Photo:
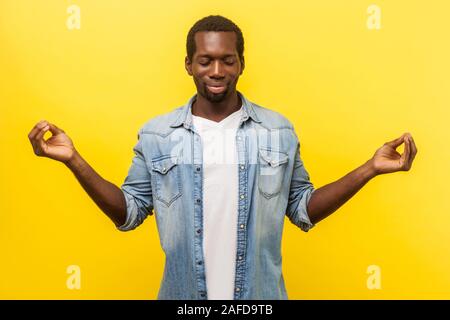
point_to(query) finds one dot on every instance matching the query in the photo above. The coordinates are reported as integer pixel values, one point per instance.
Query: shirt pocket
(166, 175)
(272, 166)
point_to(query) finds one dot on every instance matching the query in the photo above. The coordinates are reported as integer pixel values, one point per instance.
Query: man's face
(215, 65)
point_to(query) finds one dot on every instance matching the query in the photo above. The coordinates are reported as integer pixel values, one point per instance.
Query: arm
(327, 199)
(108, 197)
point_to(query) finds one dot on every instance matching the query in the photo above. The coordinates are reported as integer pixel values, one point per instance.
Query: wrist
(369, 169)
(73, 160)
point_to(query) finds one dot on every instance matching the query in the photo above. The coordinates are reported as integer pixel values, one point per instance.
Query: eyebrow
(209, 56)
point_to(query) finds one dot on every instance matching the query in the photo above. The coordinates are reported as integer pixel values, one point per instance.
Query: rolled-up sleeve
(137, 190)
(300, 193)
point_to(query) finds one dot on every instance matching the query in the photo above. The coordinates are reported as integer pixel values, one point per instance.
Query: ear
(188, 65)
(242, 65)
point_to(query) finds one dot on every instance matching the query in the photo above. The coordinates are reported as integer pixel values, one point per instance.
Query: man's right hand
(108, 197)
(58, 147)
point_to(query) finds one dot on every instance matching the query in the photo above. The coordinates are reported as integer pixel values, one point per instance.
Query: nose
(216, 70)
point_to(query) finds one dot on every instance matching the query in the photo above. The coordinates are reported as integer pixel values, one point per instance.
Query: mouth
(216, 89)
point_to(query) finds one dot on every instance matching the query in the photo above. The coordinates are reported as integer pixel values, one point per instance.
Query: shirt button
(198, 168)
(239, 138)
(237, 289)
(242, 196)
(242, 226)
(163, 169)
(202, 295)
(198, 200)
(240, 257)
(242, 167)
(199, 230)
(199, 263)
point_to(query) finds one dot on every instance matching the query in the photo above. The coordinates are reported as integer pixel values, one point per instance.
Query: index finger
(396, 142)
(41, 124)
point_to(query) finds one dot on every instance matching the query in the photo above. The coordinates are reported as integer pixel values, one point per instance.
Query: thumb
(54, 129)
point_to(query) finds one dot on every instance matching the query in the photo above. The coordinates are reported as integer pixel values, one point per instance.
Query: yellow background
(346, 88)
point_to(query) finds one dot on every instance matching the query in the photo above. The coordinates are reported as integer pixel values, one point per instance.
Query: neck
(204, 108)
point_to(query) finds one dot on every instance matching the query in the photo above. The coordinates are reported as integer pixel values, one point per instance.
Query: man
(220, 203)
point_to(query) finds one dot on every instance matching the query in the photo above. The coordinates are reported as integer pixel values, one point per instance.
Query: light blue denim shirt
(166, 177)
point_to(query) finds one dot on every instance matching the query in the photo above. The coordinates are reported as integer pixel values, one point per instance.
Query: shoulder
(271, 119)
(161, 124)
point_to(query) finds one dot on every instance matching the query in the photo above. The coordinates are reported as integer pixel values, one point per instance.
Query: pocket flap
(273, 158)
(163, 165)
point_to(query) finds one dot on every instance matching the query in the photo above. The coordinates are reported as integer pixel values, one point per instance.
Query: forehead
(215, 43)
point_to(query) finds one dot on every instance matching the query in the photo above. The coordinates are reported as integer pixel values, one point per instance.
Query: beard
(215, 97)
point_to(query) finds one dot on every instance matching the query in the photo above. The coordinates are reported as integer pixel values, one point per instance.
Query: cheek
(198, 83)
(235, 76)
(235, 72)
(198, 70)
(198, 75)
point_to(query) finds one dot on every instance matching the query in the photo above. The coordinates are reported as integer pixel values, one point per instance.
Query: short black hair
(214, 23)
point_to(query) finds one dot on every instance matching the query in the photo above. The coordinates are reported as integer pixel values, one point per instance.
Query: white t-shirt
(220, 203)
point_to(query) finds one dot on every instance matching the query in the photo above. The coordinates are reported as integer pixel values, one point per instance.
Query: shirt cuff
(304, 221)
(128, 222)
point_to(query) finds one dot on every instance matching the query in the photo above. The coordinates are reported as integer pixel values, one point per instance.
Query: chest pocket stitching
(271, 181)
(167, 179)
(164, 165)
(273, 158)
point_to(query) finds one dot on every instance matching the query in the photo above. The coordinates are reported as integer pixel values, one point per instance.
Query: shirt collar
(185, 115)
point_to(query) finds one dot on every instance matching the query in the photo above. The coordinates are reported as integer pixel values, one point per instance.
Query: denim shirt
(166, 178)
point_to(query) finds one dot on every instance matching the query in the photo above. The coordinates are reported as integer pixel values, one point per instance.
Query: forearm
(108, 197)
(327, 199)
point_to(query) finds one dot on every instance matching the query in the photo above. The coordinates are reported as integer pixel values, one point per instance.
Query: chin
(215, 97)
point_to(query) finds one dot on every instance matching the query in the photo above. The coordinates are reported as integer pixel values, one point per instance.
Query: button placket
(198, 215)
(242, 215)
